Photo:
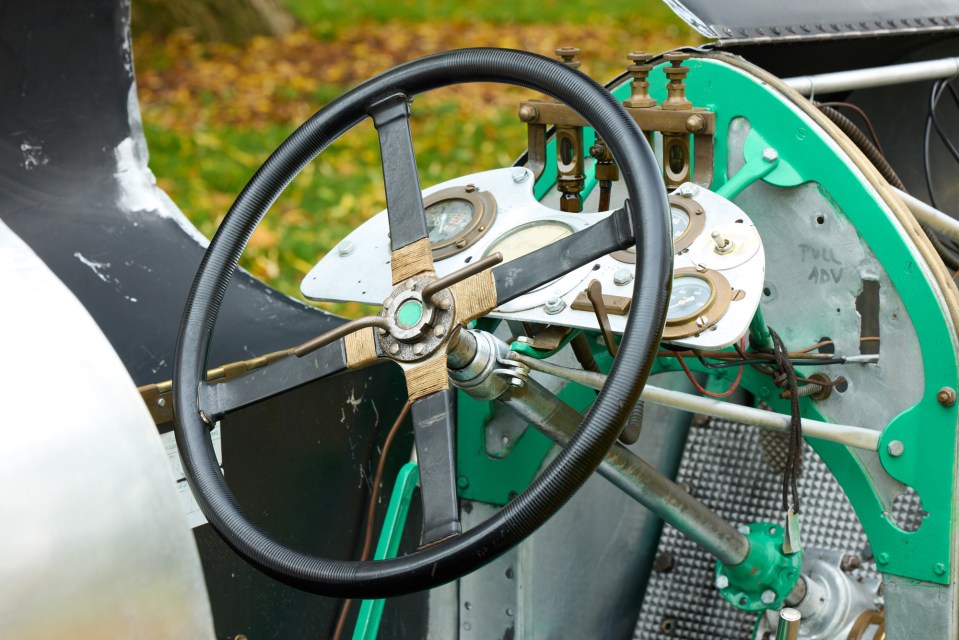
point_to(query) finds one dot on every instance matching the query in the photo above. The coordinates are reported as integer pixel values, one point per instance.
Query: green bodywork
(927, 430)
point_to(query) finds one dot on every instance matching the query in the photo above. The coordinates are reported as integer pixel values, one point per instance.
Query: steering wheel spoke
(216, 399)
(517, 277)
(436, 455)
(409, 239)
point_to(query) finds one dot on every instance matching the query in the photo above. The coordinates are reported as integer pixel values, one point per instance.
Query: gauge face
(529, 238)
(690, 295)
(680, 220)
(448, 218)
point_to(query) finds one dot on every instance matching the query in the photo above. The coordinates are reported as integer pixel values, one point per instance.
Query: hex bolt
(528, 113)
(394, 348)
(417, 349)
(439, 331)
(768, 597)
(410, 284)
(770, 155)
(896, 448)
(381, 331)
(939, 568)
(849, 562)
(688, 190)
(946, 397)
(622, 277)
(444, 304)
(554, 305)
(722, 582)
(345, 248)
(695, 123)
(883, 558)
(519, 175)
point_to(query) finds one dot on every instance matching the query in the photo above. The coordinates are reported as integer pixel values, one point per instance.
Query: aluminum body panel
(94, 544)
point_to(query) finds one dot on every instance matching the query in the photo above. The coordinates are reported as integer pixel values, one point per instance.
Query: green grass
(330, 15)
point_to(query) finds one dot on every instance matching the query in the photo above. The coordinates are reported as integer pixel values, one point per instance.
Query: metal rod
(461, 274)
(851, 436)
(788, 624)
(931, 216)
(874, 76)
(636, 477)
(335, 334)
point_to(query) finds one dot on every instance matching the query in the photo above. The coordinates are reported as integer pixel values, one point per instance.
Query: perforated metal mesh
(724, 466)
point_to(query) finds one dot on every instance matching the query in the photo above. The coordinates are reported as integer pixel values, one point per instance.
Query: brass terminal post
(676, 87)
(639, 71)
(571, 167)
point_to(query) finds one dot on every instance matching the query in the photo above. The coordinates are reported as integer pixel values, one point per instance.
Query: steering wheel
(418, 322)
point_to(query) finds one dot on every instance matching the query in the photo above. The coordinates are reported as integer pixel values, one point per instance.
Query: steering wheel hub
(417, 328)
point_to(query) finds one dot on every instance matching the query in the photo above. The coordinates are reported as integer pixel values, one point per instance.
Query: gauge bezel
(697, 222)
(528, 225)
(721, 295)
(484, 213)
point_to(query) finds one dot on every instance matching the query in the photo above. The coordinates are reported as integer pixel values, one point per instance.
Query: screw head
(554, 305)
(722, 582)
(896, 448)
(883, 558)
(664, 562)
(701, 322)
(519, 175)
(394, 348)
(417, 349)
(470, 188)
(345, 248)
(444, 304)
(439, 331)
(768, 597)
(622, 277)
(770, 155)
(946, 397)
(410, 284)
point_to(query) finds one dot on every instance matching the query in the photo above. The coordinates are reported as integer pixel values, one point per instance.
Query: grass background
(213, 112)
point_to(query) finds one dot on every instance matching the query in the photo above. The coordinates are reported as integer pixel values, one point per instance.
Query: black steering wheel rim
(455, 557)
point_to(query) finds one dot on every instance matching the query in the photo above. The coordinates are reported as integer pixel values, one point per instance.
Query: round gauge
(528, 238)
(699, 299)
(448, 218)
(688, 219)
(680, 221)
(456, 218)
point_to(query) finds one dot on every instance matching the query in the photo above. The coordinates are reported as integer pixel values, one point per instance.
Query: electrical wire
(371, 513)
(725, 394)
(862, 114)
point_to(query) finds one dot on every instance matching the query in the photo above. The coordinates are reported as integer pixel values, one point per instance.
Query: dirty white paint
(98, 268)
(33, 156)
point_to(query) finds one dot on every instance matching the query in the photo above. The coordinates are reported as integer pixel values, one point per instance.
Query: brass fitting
(676, 87)
(639, 70)
(568, 54)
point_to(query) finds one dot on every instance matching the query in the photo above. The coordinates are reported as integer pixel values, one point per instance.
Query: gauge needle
(439, 229)
(683, 302)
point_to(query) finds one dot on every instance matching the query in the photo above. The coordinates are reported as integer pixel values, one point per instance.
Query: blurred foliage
(213, 112)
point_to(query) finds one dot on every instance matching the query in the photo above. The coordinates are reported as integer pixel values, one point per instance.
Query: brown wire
(371, 513)
(862, 114)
